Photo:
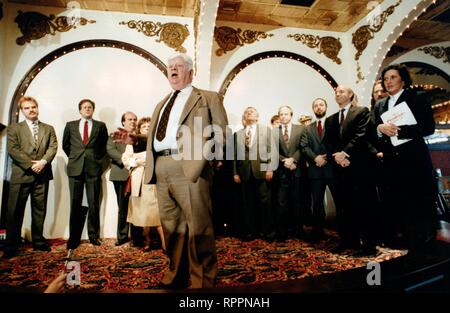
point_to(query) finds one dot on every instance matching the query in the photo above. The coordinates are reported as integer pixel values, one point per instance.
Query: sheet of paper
(399, 115)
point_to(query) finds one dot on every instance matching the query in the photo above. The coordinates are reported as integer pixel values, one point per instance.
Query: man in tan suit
(32, 145)
(177, 162)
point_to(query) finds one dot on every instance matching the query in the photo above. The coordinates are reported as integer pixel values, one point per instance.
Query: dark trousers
(257, 214)
(288, 214)
(318, 187)
(18, 196)
(355, 202)
(122, 202)
(77, 214)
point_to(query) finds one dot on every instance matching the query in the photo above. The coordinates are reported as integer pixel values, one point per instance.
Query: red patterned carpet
(125, 268)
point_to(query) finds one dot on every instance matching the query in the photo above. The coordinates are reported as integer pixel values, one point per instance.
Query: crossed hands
(289, 163)
(38, 165)
(341, 158)
(321, 160)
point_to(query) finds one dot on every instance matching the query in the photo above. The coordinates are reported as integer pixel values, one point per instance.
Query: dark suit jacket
(115, 151)
(312, 146)
(353, 140)
(22, 150)
(294, 148)
(262, 147)
(414, 153)
(88, 157)
(204, 106)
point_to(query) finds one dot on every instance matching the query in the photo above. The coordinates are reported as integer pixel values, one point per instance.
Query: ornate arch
(274, 54)
(76, 46)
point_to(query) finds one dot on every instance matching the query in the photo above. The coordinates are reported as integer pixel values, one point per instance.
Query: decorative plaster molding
(437, 52)
(328, 45)
(229, 38)
(365, 33)
(35, 25)
(172, 34)
(394, 50)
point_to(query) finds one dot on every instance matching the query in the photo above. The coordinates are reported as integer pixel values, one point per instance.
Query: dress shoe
(96, 242)
(365, 252)
(9, 254)
(173, 286)
(42, 247)
(121, 242)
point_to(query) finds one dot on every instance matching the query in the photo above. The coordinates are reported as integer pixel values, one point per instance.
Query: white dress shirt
(252, 129)
(170, 141)
(81, 127)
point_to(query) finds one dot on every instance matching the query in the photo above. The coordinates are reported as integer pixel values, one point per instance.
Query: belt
(167, 152)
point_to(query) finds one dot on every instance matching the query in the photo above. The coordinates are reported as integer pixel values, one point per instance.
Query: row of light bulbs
(392, 33)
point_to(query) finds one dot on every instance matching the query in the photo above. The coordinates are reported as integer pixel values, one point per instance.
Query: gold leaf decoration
(328, 45)
(437, 52)
(229, 38)
(34, 25)
(362, 36)
(172, 34)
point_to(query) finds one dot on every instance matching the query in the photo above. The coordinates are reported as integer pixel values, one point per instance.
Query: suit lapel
(75, 130)
(27, 131)
(402, 97)
(348, 118)
(41, 134)
(190, 103)
(95, 126)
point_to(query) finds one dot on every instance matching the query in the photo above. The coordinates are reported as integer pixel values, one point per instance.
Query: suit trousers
(122, 202)
(77, 214)
(318, 187)
(186, 218)
(18, 196)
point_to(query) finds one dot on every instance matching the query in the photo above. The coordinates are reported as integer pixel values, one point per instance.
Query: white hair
(187, 59)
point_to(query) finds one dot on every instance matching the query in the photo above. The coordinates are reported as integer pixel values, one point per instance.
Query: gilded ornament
(229, 38)
(362, 36)
(172, 34)
(34, 25)
(328, 45)
(437, 52)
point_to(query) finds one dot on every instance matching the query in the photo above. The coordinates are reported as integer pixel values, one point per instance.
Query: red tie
(85, 133)
(319, 128)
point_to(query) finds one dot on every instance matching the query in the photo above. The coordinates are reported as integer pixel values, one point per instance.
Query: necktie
(35, 128)
(286, 135)
(319, 128)
(85, 133)
(162, 126)
(341, 120)
(248, 137)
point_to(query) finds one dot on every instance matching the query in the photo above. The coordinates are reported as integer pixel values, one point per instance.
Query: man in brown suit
(180, 128)
(32, 145)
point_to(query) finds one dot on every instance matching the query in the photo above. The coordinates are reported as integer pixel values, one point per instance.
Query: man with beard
(320, 170)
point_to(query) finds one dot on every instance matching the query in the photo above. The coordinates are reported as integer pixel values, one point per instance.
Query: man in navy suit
(320, 169)
(84, 142)
(346, 143)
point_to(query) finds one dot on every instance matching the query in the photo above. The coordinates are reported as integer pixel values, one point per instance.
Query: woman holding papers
(402, 120)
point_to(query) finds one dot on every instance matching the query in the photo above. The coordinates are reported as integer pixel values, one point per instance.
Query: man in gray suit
(32, 145)
(119, 177)
(182, 170)
(84, 142)
(253, 170)
(289, 216)
(320, 171)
